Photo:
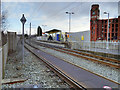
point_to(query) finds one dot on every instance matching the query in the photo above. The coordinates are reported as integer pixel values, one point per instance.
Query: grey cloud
(55, 11)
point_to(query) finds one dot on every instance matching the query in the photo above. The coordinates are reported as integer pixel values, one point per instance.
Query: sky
(52, 14)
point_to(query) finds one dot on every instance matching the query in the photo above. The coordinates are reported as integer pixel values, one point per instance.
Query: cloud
(53, 14)
(60, 0)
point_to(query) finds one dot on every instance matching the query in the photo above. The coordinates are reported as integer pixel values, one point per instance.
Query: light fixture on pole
(70, 13)
(23, 20)
(107, 31)
(44, 27)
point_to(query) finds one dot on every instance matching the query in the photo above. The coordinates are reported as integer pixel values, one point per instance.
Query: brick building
(98, 27)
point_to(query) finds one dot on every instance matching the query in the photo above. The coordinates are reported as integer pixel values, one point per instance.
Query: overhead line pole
(30, 29)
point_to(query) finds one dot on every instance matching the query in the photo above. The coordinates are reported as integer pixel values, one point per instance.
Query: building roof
(53, 31)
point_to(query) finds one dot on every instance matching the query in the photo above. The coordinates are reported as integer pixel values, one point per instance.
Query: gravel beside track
(102, 70)
(34, 70)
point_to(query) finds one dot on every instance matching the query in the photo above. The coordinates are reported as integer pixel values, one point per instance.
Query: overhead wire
(56, 13)
(71, 9)
(38, 9)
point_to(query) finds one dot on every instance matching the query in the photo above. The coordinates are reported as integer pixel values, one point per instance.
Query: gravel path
(103, 70)
(34, 70)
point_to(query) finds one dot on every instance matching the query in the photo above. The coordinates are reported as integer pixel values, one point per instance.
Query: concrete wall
(9, 46)
(41, 38)
(12, 41)
(80, 36)
(81, 40)
(4, 57)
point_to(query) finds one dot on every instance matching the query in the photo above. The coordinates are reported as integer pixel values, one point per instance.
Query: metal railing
(114, 47)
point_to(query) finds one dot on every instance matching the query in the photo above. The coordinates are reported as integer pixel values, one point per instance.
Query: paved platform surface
(84, 77)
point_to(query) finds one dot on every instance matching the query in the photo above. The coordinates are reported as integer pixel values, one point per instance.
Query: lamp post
(23, 20)
(107, 31)
(70, 13)
(44, 27)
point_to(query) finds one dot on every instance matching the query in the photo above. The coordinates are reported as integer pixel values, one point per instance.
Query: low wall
(41, 38)
(12, 41)
(4, 57)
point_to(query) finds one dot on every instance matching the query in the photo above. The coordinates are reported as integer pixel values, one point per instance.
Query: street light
(44, 27)
(107, 31)
(70, 13)
(23, 20)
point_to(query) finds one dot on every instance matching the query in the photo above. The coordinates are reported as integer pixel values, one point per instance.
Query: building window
(105, 21)
(112, 25)
(108, 34)
(92, 31)
(93, 13)
(112, 29)
(105, 26)
(105, 30)
(102, 26)
(102, 30)
(116, 30)
(91, 22)
(112, 34)
(102, 21)
(109, 21)
(115, 35)
(116, 20)
(113, 21)
(105, 35)
(109, 25)
(116, 25)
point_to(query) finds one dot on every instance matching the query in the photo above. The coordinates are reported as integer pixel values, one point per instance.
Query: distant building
(98, 27)
(80, 36)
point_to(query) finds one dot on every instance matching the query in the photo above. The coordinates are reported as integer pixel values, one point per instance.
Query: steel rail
(91, 55)
(94, 60)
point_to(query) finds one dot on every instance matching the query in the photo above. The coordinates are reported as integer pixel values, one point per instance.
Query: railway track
(73, 83)
(98, 59)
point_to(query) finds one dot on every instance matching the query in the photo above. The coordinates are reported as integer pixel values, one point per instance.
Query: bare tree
(4, 26)
(39, 31)
(4, 23)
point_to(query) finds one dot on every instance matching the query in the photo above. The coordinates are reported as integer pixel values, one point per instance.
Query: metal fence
(113, 47)
(98, 46)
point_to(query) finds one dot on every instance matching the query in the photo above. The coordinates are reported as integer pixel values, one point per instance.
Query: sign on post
(23, 20)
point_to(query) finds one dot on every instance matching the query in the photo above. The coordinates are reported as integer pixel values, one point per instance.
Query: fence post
(89, 45)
